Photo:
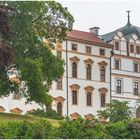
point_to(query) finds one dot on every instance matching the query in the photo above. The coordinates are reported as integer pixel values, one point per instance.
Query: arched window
(59, 108)
(102, 72)
(74, 69)
(88, 71)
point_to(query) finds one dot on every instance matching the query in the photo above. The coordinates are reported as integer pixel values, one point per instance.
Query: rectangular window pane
(59, 83)
(118, 86)
(117, 45)
(138, 49)
(135, 67)
(88, 49)
(74, 97)
(89, 99)
(102, 71)
(74, 47)
(136, 88)
(132, 48)
(102, 100)
(59, 54)
(16, 96)
(117, 64)
(102, 52)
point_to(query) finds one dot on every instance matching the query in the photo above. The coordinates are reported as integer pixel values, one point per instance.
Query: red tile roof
(86, 37)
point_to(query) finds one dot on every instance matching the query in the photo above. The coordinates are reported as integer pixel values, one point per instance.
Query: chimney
(94, 30)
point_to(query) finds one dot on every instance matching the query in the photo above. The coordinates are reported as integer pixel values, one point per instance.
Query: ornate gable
(74, 59)
(103, 90)
(88, 61)
(89, 116)
(75, 87)
(75, 116)
(60, 99)
(103, 63)
(89, 88)
(16, 110)
(2, 109)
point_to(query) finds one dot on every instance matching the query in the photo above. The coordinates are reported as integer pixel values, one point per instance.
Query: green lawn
(9, 117)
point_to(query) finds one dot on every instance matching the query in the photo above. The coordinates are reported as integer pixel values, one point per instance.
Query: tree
(23, 25)
(116, 111)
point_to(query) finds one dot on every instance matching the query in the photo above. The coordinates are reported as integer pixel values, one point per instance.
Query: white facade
(70, 98)
(99, 87)
(126, 72)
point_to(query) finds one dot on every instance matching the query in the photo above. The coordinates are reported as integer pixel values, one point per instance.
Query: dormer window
(74, 47)
(116, 45)
(131, 48)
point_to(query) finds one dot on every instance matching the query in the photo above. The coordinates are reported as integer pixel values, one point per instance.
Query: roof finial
(128, 23)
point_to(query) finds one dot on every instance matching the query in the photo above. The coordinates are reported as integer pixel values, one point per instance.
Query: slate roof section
(127, 31)
(86, 37)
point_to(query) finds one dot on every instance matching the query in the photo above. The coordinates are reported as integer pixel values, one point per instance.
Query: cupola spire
(128, 22)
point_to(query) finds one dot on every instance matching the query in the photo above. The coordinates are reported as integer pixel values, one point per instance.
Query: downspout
(111, 55)
(67, 90)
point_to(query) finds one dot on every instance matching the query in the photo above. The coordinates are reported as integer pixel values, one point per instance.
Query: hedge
(77, 129)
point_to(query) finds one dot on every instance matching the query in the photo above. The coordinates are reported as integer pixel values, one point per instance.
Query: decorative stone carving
(75, 87)
(103, 63)
(89, 88)
(16, 110)
(74, 59)
(75, 116)
(103, 90)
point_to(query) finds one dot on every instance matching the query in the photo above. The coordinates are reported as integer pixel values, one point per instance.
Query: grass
(10, 117)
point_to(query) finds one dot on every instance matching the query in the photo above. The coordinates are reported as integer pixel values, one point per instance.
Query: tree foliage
(116, 111)
(23, 25)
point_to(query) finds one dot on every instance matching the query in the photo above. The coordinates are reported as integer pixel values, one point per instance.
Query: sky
(108, 15)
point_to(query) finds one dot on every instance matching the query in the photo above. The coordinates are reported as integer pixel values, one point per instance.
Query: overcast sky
(108, 15)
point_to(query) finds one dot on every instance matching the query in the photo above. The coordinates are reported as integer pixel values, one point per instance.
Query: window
(132, 48)
(88, 71)
(116, 45)
(74, 97)
(119, 86)
(16, 96)
(74, 70)
(138, 49)
(89, 99)
(59, 54)
(135, 67)
(136, 88)
(59, 108)
(59, 83)
(102, 52)
(117, 64)
(102, 72)
(88, 49)
(103, 100)
(74, 47)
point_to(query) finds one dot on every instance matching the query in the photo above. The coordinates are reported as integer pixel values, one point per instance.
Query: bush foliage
(69, 129)
(26, 130)
(47, 114)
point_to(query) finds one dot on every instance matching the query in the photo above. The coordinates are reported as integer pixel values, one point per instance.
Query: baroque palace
(98, 69)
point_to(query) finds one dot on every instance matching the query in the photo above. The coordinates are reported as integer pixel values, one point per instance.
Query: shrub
(26, 130)
(49, 114)
(116, 111)
(79, 129)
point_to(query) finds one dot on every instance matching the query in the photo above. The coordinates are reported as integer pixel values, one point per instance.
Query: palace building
(98, 69)
(125, 64)
(85, 86)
